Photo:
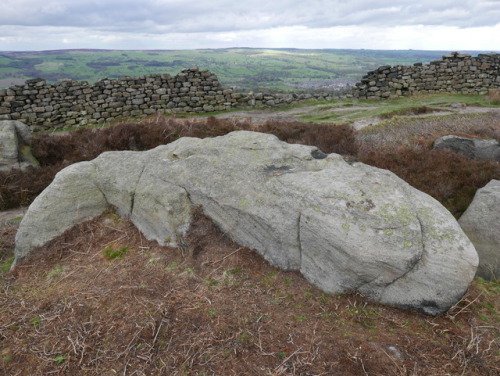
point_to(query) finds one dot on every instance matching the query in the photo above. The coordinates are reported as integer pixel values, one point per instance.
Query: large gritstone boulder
(346, 227)
(481, 223)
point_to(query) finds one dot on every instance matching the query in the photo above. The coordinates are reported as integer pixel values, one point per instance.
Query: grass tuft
(5, 265)
(110, 253)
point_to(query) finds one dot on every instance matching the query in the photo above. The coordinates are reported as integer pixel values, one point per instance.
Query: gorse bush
(448, 177)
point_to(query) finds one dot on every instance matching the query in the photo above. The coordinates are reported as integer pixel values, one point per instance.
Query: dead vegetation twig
(454, 311)
(222, 259)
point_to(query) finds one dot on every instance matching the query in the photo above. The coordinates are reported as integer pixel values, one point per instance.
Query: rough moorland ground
(102, 300)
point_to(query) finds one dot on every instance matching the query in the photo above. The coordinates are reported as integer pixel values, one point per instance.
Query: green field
(277, 69)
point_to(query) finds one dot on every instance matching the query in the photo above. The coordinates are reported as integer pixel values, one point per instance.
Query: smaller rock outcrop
(474, 148)
(480, 223)
(15, 151)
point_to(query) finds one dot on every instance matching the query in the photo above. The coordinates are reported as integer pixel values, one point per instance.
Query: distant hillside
(277, 69)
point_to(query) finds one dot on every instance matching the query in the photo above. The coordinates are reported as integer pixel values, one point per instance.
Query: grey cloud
(165, 16)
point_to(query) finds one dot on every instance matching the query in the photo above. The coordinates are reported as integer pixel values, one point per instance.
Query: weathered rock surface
(72, 198)
(345, 227)
(473, 148)
(14, 146)
(481, 223)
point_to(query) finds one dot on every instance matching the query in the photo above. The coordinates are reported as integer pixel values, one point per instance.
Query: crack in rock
(132, 194)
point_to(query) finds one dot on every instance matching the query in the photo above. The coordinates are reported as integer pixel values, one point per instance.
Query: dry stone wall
(274, 100)
(71, 103)
(45, 106)
(454, 73)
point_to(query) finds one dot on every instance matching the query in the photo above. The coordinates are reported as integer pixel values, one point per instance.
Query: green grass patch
(212, 313)
(36, 321)
(60, 359)
(400, 107)
(55, 272)
(172, 266)
(111, 253)
(300, 318)
(15, 219)
(6, 264)
(491, 288)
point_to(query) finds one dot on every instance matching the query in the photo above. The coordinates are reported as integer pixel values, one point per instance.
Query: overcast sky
(450, 25)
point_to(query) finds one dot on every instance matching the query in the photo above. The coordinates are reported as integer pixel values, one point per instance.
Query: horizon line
(236, 48)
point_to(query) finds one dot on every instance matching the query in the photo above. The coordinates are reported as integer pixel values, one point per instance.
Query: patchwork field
(277, 69)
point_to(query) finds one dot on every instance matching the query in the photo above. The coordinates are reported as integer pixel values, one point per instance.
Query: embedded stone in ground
(15, 152)
(474, 148)
(481, 224)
